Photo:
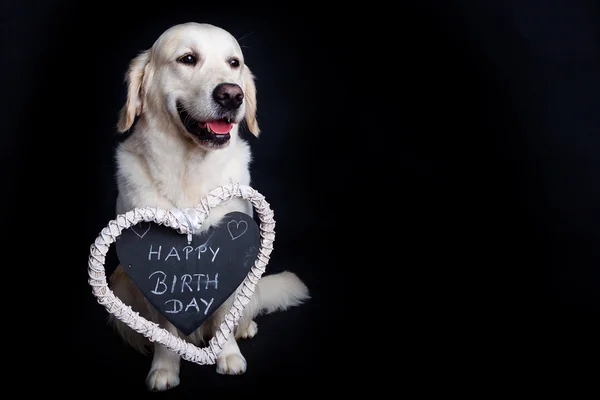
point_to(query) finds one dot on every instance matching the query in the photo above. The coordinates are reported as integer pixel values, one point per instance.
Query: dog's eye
(234, 62)
(187, 59)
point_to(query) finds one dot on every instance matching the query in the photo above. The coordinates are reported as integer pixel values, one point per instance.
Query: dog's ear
(134, 79)
(250, 98)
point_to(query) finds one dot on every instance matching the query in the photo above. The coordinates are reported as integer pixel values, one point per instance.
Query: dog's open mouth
(212, 132)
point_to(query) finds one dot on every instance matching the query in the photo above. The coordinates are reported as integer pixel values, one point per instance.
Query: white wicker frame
(180, 220)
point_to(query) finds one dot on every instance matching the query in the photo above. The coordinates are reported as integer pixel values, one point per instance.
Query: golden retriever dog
(190, 92)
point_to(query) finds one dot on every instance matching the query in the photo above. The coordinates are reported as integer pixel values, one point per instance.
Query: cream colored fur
(162, 165)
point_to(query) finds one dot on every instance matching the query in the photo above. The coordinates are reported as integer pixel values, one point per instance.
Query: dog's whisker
(189, 119)
(246, 35)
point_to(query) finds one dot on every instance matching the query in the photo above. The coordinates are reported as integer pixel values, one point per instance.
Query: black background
(434, 168)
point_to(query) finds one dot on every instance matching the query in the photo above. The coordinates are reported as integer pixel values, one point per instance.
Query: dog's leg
(164, 372)
(249, 332)
(230, 360)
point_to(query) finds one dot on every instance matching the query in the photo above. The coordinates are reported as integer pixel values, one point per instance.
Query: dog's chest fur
(162, 171)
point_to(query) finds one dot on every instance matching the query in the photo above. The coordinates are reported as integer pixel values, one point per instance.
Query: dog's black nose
(228, 95)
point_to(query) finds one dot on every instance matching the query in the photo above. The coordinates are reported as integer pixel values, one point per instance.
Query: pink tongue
(220, 126)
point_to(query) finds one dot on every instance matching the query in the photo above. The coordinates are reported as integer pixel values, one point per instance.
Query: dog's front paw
(162, 379)
(250, 331)
(232, 364)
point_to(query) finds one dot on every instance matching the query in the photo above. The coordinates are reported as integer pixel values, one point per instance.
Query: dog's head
(195, 78)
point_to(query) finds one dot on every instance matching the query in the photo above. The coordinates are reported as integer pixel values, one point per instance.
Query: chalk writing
(178, 305)
(140, 228)
(234, 229)
(202, 281)
(154, 253)
(184, 283)
(187, 280)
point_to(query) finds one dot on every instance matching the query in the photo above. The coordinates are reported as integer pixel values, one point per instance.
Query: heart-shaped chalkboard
(187, 281)
(183, 221)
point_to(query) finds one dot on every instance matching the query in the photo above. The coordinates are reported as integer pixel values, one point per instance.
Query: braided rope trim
(175, 220)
